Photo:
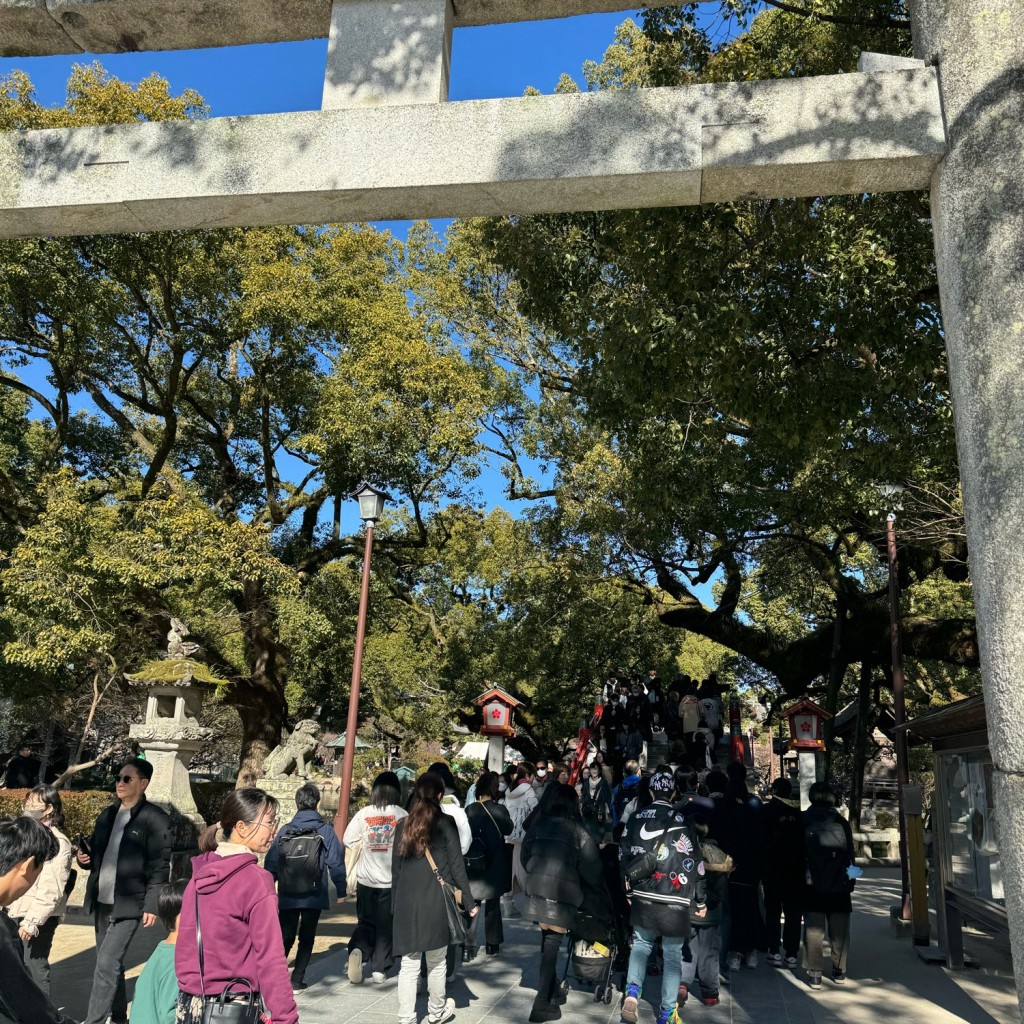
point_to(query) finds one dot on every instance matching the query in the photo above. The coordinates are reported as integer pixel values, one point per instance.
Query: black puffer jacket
(143, 859)
(562, 861)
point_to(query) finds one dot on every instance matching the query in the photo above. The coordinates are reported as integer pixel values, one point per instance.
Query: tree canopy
(695, 411)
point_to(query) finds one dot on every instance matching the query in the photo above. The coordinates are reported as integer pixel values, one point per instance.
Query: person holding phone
(129, 856)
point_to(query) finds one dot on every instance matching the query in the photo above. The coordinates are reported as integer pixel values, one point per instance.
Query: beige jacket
(46, 898)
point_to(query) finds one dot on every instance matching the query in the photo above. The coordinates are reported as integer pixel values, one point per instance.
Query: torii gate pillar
(977, 199)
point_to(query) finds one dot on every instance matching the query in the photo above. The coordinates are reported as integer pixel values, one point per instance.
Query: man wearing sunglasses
(128, 854)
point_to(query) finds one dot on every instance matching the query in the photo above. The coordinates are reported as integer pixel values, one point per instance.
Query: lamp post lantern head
(807, 726)
(371, 502)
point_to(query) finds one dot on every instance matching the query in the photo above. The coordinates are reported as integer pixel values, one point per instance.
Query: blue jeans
(643, 943)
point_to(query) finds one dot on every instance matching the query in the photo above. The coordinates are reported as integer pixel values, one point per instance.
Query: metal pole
(899, 710)
(341, 818)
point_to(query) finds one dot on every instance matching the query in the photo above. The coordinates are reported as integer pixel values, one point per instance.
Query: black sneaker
(838, 976)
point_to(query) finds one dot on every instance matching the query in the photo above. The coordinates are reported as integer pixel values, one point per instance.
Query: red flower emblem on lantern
(496, 713)
(805, 727)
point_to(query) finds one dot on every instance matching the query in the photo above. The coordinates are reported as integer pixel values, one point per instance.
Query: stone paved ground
(887, 980)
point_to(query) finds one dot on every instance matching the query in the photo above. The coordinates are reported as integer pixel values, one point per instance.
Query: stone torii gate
(387, 145)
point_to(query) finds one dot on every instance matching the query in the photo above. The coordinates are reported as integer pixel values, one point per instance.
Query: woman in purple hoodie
(237, 905)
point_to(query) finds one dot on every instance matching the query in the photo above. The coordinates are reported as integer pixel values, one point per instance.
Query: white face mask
(541, 772)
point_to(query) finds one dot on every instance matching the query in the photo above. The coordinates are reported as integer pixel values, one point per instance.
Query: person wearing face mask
(541, 778)
(236, 904)
(41, 909)
(128, 854)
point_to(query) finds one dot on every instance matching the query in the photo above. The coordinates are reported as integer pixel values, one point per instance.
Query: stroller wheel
(608, 996)
(599, 993)
(564, 988)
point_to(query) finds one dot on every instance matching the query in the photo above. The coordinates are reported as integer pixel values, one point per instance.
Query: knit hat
(662, 782)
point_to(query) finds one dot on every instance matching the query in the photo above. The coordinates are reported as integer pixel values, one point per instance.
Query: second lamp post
(371, 505)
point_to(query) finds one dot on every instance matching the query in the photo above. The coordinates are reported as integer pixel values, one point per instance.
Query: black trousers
(746, 925)
(782, 901)
(302, 923)
(372, 935)
(37, 953)
(494, 931)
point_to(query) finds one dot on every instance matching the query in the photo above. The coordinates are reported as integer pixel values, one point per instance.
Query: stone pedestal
(808, 775)
(496, 753)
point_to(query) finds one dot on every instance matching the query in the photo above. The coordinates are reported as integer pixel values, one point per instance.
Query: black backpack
(827, 855)
(301, 873)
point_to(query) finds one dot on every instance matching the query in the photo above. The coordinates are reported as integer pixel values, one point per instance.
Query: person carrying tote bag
(418, 905)
(229, 957)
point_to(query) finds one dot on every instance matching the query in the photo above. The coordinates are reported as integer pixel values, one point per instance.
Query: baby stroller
(592, 955)
(598, 939)
(593, 964)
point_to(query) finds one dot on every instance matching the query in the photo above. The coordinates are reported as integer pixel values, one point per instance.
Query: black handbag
(642, 866)
(458, 919)
(231, 1006)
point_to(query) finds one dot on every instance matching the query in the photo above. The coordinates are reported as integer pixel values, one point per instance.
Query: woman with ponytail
(237, 905)
(420, 918)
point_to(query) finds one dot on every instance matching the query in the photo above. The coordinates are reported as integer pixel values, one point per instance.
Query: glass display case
(971, 849)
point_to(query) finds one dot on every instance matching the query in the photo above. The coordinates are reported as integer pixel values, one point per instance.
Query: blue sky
(487, 62)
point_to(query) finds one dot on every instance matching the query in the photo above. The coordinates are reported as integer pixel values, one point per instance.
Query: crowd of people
(675, 876)
(688, 713)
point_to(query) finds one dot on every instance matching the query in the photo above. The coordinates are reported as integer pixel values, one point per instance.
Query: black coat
(784, 857)
(417, 903)
(143, 859)
(490, 823)
(21, 999)
(601, 802)
(562, 862)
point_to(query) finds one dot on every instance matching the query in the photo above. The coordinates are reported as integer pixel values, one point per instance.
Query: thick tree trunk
(260, 699)
(860, 745)
(262, 712)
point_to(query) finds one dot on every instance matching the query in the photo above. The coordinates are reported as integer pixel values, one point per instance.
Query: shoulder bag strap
(199, 946)
(493, 822)
(443, 882)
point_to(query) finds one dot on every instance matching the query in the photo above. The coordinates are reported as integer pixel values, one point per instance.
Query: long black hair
(423, 815)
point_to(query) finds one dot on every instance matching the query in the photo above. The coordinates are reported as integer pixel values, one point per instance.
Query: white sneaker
(735, 961)
(379, 977)
(774, 959)
(355, 967)
(752, 959)
(447, 1013)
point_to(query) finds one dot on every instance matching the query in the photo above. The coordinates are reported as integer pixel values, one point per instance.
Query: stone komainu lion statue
(292, 757)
